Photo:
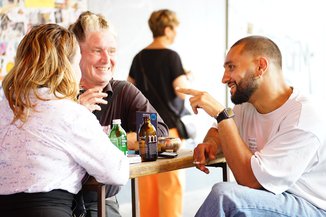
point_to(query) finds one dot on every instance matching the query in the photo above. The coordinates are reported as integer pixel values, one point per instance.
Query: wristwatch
(225, 114)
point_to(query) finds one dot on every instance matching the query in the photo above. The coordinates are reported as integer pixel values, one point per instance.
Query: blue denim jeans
(230, 199)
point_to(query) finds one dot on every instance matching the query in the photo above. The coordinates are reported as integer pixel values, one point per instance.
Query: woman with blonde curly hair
(48, 141)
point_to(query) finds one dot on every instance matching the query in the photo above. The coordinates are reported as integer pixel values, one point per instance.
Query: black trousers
(111, 203)
(56, 203)
(111, 208)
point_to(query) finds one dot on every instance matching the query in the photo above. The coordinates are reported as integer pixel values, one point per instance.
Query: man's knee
(231, 193)
(224, 188)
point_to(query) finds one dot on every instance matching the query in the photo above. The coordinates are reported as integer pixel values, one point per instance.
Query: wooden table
(182, 161)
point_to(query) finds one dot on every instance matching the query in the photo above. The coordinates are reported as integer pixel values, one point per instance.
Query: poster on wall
(17, 17)
(39, 4)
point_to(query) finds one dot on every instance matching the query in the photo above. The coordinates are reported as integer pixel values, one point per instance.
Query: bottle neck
(114, 126)
(147, 120)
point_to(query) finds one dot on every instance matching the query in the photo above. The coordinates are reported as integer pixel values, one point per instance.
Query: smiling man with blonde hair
(107, 98)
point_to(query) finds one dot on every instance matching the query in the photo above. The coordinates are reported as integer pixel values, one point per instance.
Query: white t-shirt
(55, 148)
(289, 147)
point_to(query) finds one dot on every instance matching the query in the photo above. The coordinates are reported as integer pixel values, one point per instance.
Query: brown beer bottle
(147, 140)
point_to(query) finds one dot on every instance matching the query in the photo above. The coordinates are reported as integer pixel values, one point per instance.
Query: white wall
(297, 26)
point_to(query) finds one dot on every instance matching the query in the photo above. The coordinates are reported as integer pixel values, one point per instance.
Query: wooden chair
(93, 185)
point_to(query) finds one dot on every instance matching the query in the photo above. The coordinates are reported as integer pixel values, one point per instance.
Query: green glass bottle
(147, 140)
(118, 136)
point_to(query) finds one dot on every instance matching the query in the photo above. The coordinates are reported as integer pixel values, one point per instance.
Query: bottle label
(148, 148)
(152, 148)
(123, 145)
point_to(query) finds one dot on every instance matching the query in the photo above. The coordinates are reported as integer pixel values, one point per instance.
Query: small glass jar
(168, 144)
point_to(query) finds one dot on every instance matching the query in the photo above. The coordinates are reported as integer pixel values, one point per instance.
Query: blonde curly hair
(43, 59)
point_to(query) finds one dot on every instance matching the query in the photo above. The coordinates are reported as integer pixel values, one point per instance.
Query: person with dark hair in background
(157, 71)
(107, 98)
(273, 140)
(48, 141)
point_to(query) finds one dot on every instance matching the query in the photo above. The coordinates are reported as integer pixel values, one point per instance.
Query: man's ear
(262, 65)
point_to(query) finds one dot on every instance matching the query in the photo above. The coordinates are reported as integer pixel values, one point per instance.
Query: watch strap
(221, 116)
(225, 114)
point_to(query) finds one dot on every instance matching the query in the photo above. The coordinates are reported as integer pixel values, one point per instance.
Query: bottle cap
(116, 121)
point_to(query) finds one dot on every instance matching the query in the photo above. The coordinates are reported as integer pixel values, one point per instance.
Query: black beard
(243, 92)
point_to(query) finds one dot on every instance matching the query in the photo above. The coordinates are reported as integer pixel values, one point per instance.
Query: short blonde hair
(161, 19)
(43, 59)
(90, 22)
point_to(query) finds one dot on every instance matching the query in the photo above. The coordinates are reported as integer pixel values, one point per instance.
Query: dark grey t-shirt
(124, 99)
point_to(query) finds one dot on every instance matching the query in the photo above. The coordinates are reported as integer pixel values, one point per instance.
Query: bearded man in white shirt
(273, 139)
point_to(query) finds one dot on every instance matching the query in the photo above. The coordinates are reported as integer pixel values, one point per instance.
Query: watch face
(229, 112)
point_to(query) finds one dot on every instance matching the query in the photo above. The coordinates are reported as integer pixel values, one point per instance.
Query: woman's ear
(167, 31)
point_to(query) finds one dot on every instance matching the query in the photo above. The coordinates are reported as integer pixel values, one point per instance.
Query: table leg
(224, 169)
(101, 201)
(133, 198)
